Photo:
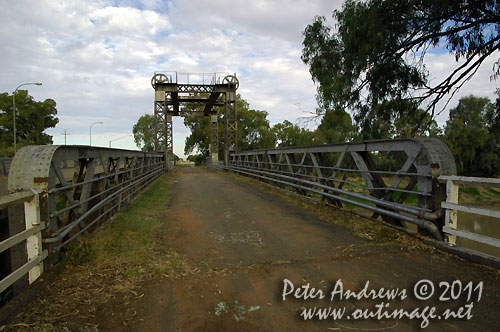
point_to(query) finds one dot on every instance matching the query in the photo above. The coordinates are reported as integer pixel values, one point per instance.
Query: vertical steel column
(163, 127)
(160, 112)
(169, 142)
(214, 142)
(230, 135)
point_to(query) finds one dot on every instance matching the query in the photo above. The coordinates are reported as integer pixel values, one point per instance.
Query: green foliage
(253, 128)
(199, 139)
(144, 133)
(410, 200)
(337, 127)
(289, 134)
(398, 118)
(33, 117)
(61, 201)
(79, 253)
(494, 192)
(472, 133)
(408, 125)
(470, 190)
(254, 131)
(197, 159)
(376, 52)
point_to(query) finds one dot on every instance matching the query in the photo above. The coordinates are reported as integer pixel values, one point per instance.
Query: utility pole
(65, 134)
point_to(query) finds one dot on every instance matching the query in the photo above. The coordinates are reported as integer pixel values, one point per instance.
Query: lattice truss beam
(396, 178)
(82, 186)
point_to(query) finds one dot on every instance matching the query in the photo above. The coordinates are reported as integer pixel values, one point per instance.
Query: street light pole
(90, 131)
(14, 111)
(116, 139)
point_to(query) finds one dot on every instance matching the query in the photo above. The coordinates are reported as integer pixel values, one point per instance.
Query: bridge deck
(253, 240)
(230, 244)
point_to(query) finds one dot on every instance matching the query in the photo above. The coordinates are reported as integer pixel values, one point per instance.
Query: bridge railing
(30, 237)
(193, 78)
(452, 207)
(395, 179)
(77, 188)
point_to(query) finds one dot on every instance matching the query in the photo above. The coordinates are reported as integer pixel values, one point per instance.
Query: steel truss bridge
(57, 193)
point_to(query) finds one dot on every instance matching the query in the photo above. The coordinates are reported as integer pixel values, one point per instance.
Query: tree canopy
(376, 52)
(473, 135)
(254, 131)
(33, 118)
(144, 133)
(289, 134)
(336, 127)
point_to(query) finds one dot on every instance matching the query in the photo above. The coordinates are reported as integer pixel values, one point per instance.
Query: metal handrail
(53, 214)
(419, 222)
(335, 168)
(416, 211)
(68, 228)
(342, 181)
(110, 175)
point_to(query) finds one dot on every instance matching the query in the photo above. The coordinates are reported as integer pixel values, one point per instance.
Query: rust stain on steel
(41, 180)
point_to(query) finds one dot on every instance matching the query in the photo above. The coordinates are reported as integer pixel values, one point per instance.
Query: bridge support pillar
(163, 128)
(230, 124)
(169, 143)
(214, 142)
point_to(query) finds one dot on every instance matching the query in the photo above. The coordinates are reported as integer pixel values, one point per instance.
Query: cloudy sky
(96, 58)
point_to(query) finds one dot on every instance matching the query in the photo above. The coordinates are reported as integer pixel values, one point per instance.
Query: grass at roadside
(480, 195)
(104, 270)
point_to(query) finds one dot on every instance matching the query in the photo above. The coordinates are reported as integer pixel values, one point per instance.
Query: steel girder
(362, 171)
(80, 186)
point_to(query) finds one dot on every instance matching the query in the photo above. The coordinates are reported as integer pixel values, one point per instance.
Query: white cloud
(96, 58)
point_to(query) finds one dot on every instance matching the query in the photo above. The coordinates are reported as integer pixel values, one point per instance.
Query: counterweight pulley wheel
(159, 78)
(231, 80)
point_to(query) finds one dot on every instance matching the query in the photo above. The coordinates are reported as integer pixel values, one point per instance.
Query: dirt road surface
(250, 241)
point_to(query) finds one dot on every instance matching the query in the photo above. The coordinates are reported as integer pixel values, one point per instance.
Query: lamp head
(38, 83)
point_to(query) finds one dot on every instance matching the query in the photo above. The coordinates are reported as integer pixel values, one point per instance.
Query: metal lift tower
(173, 90)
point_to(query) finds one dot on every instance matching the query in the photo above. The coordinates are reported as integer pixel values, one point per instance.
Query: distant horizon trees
(472, 132)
